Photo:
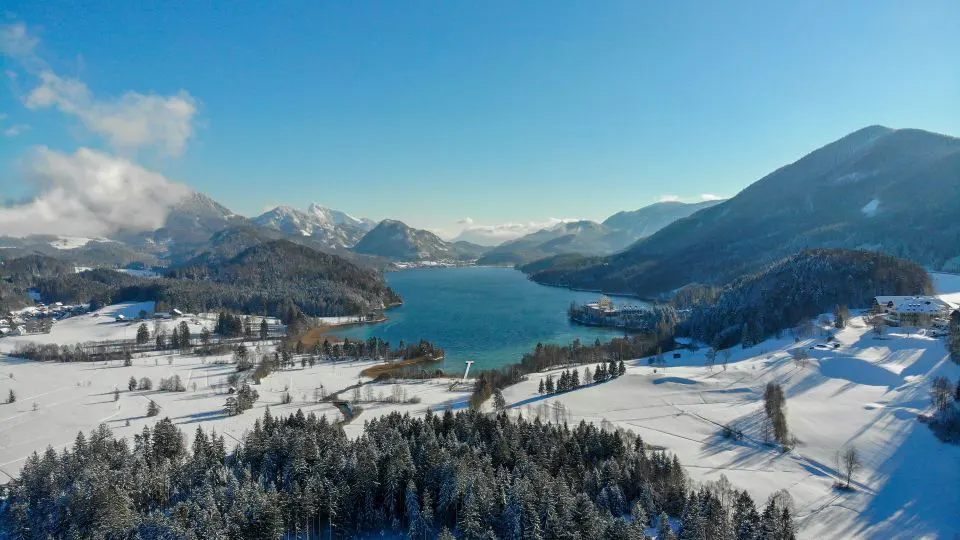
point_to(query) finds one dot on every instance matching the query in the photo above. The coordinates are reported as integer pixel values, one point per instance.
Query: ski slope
(867, 393)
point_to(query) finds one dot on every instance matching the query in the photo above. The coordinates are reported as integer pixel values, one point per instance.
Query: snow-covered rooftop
(914, 304)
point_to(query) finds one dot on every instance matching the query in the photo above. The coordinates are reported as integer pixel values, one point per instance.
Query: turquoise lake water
(489, 315)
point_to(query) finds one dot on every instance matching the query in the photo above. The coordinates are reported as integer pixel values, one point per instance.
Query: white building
(911, 310)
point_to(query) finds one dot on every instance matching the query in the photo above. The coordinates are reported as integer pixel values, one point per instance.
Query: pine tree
(264, 329)
(184, 342)
(664, 530)
(587, 375)
(621, 368)
(550, 387)
(414, 523)
(11, 396)
(639, 515)
(541, 387)
(153, 409)
(499, 403)
(691, 522)
(116, 395)
(574, 379)
(143, 334)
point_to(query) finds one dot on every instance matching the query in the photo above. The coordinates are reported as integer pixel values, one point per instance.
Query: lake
(489, 315)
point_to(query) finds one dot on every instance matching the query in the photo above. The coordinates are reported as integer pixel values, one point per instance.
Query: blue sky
(430, 112)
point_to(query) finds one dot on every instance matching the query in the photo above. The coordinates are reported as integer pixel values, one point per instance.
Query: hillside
(800, 287)
(591, 238)
(267, 278)
(586, 237)
(631, 226)
(896, 191)
(397, 241)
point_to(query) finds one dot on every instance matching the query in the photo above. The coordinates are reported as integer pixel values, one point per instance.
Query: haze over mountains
(890, 190)
(592, 238)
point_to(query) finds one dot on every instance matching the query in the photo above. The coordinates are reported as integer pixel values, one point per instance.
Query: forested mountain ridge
(397, 241)
(267, 278)
(896, 191)
(798, 287)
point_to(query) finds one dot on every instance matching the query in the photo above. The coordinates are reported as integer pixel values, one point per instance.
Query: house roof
(914, 304)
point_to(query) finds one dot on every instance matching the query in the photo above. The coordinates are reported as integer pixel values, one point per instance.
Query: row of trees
(471, 475)
(775, 408)
(570, 379)
(545, 357)
(234, 326)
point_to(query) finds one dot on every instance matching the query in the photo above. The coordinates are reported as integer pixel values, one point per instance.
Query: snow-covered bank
(867, 394)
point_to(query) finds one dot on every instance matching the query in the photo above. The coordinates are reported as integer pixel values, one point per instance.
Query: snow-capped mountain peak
(332, 227)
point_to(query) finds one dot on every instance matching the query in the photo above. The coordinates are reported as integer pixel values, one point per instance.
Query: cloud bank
(90, 193)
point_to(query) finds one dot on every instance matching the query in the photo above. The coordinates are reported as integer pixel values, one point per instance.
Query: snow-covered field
(867, 394)
(947, 287)
(103, 326)
(70, 397)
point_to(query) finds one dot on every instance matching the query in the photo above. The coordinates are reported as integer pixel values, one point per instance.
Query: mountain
(396, 241)
(336, 217)
(634, 225)
(191, 221)
(890, 190)
(584, 237)
(330, 228)
(590, 238)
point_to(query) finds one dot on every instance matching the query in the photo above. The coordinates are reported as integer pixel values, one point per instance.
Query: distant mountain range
(880, 189)
(591, 238)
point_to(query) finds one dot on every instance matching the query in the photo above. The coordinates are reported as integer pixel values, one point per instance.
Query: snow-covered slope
(866, 394)
(331, 228)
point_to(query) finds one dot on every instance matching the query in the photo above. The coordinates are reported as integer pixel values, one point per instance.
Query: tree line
(550, 356)
(469, 475)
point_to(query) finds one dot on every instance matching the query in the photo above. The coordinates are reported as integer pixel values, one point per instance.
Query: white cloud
(465, 221)
(490, 235)
(90, 193)
(11, 74)
(15, 130)
(711, 197)
(16, 41)
(129, 122)
(669, 198)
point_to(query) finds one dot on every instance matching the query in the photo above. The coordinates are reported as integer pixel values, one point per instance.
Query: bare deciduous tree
(848, 463)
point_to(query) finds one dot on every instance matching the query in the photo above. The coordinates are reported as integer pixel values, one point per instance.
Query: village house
(911, 310)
